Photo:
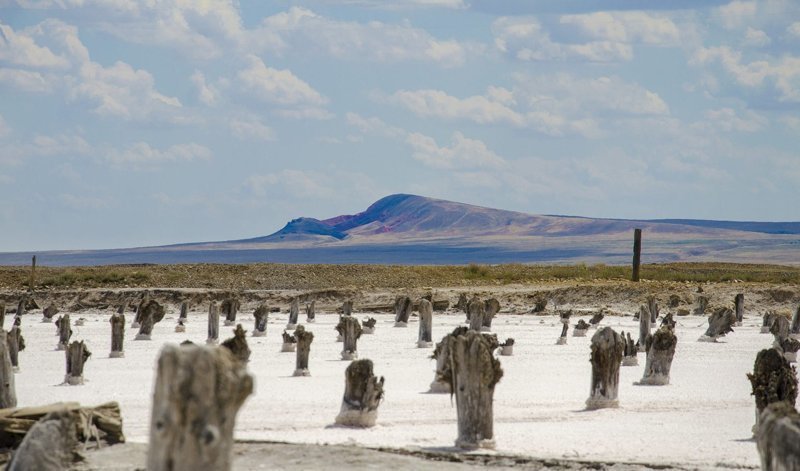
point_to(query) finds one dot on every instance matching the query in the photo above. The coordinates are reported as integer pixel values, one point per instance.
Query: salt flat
(702, 419)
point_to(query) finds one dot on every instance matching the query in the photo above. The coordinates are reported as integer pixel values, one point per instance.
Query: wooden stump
(789, 347)
(652, 308)
(608, 348)
(304, 339)
(719, 324)
(461, 305)
(261, 315)
(768, 320)
(138, 311)
(629, 354)
(294, 314)
(311, 316)
(8, 392)
(490, 308)
(351, 332)
(77, 354)
(738, 303)
(668, 321)
(794, 329)
(637, 254)
(778, 436)
(184, 315)
(476, 311)
(780, 329)
(21, 307)
(580, 329)
(117, 335)
(472, 373)
(644, 327)
(64, 331)
(660, 351)
(49, 313)
(197, 394)
(289, 342)
(562, 339)
(424, 339)
(213, 324)
(16, 343)
(51, 444)
(701, 305)
(363, 392)
(180, 327)
(773, 380)
(229, 308)
(238, 344)
(596, 318)
(368, 325)
(149, 315)
(347, 308)
(402, 311)
(439, 385)
(507, 347)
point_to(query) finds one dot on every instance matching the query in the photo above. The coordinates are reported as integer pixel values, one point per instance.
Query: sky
(129, 123)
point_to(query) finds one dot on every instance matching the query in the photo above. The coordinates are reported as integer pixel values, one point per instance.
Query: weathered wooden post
(794, 329)
(596, 318)
(180, 327)
(461, 304)
(21, 306)
(16, 343)
(197, 394)
(580, 329)
(660, 351)
(363, 392)
(769, 319)
(476, 310)
(424, 339)
(564, 317)
(32, 279)
(213, 324)
(48, 313)
(64, 331)
(719, 324)
(183, 317)
(507, 347)
(351, 333)
(238, 344)
(780, 330)
(652, 308)
(229, 308)
(490, 308)
(8, 392)
(637, 254)
(472, 373)
(311, 316)
(149, 315)
(402, 311)
(261, 314)
(701, 305)
(368, 325)
(294, 313)
(304, 339)
(773, 380)
(347, 308)
(778, 436)
(145, 299)
(608, 348)
(289, 342)
(668, 321)
(439, 385)
(117, 335)
(738, 302)
(2, 314)
(644, 327)
(630, 353)
(77, 354)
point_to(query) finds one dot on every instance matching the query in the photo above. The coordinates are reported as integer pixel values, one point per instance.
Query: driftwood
(738, 303)
(637, 254)
(117, 335)
(402, 311)
(701, 305)
(630, 352)
(778, 436)
(51, 444)
(197, 395)
(424, 339)
(580, 329)
(347, 308)
(769, 319)
(351, 332)
(490, 308)
(311, 315)
(608, 348)
(76, 354)
(363, 393)
(149, 315)
(660, 351)
(16, 343)
(668, 321)
(794, 329)
(294, 314)
(229, 308)
(289, 342)
(475, 312)
(368, 325)
(644, 327)
(49, 313)
(652, 308)
(596, 318)
(261, 315)
(773, 380)
(472, 373)
(719, 324)
(304, 339)
(8, 392)
(213, 324)
(238, 344)
(64, 331)
(507, 347)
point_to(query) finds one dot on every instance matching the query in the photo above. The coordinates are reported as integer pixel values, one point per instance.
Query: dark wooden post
(637, 253)
(668, 320)
(769, 319)
(368, 325)
(21, 307)
(238, 344)
(213, 324)
(49, 312)
(702, 304)
(424, 338)
(363, 392)
(738, 301)
(2, 314)
(631, 351)
(289, 342)
(773, 380)
(490, 308)
(197, 394)
(476, 309)
(136, 319)
(596, 318)
(562, 339)
(32, 279)
(184, 315)
(347, 308)
(311, 316)
(16, 343)
(230, 307)
(351, 333)
(8, 392)
(608, 348)
(261, 314)
(402, 311)
(77, 354)
(461, 305)
(117, 335)
(778, 436)
(304, 339)
(644, 327)
(660, 351)
(472, 373)
(64, 331)
(652, 308)
(794, 329)
(150, 314)
(719, 324)
(580, 329)
(294, 313)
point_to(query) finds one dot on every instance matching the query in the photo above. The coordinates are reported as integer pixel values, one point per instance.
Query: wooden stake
(310, 312)
(77, 354)
(660, 351)
(490, 308)
(773, 380)
(16, 343)
(424, 338)
(608, 348)
(778, 436)
(637, 253)
(117, 335)
(475, 311)
(49, 312)
(64, 331)
(8, 392)
(304, 339)
(149, 315)
(213, 324)
(402, 311)
(351, 332)
(363, 392)
(238, 344)
(261, 314)
(294, 313)
(230, 307)
(719, 324)
(644, 327)
(738, 301)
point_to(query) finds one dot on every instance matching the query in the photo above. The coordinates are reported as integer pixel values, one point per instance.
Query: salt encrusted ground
(701, 420)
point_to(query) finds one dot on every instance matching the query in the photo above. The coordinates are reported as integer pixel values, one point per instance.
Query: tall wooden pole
(32, 279)
(637, 253)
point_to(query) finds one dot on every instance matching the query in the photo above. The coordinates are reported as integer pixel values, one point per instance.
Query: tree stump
(51, 444)
(596, 318)
(562, 339)
(77, 354)
(461, 305)
(48, 313)
(294, 314)
(608, 348)
(197, 394)
(773, 380)
(477, 310)
(490, 308)
(644, 327)
(472, 373)
(138, 311)
(8, 392)
(778, 437)
(794, 329)
(16, 343)
(311, 316)
(64, 331)
(149, 315)
(652, 308)
(629, 354)
(660, 351)
(439, 385)
(507, 347)
(184, 315)
(701, 305)
(213, 324)
(229, 308)
(780, 330)
(668, 321)
(347, 308)
(261, 315)
(304, 339)
(424, 339)
(402, 311)
(769, 318)
(789, 347)
(117, 335)
(719, 324)
(580, 329)
(238, 344)
(351, 332)
(289, 342)
(738, 302)
(363, 392)
(21, 307)
(368, 325)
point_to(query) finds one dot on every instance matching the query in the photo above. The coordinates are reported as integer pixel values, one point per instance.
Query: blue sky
(131, 123)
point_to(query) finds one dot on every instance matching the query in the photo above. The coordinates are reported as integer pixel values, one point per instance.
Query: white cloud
(251, 128)
(728, 120)
(374, 126)
(207, 94)
(280, 87)
(63, 145)
(141, 154)
(793, 30)
(625, 27)
(438, 104)
(736, 14)
(756, 37)
(21, 49)
(463, 153)
(27, 80)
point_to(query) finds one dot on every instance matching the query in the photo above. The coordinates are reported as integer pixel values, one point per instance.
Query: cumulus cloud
(251, 128)
(374, 126)
(21, 49)
(756, 37)
(142, 154)
(206, 93)
(793, 29)
(439, 104)
(462, 153)
(625, 27)
(735, 14)
(728, 120)
(276, 86)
